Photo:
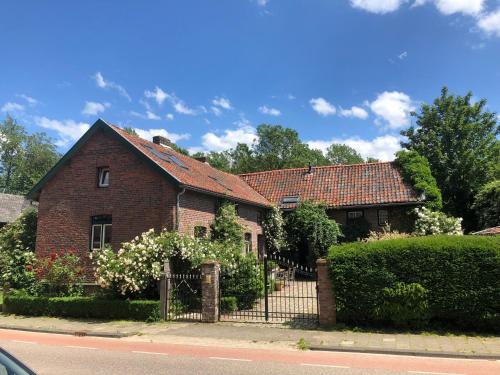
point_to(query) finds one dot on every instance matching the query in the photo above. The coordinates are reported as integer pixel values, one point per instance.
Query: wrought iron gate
(281, 291)
(183, 301)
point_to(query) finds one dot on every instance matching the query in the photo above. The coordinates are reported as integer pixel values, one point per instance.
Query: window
(290, 200)
(101, 233)
(200, 232)
(103, 174)
(259, 217)
(383, 217)
(248, 243)
(353, 215)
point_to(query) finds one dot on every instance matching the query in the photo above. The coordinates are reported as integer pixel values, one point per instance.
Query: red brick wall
(198, 209)
(138, 199)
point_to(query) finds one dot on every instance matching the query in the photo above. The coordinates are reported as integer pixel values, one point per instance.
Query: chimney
(203, 159)
(162, 141)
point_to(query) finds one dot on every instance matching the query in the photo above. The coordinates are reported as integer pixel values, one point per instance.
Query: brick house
(373, 191)
(112, 186)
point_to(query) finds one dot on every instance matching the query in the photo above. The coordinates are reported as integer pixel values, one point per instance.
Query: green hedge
(81, 307)
(460, 277)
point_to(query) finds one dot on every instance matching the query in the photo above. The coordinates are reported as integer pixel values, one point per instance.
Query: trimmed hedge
(460, 277)
(81, 307)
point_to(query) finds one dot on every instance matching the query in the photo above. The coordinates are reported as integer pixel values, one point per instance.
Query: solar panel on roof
(220, 183)
(176, 160)
(161, 155)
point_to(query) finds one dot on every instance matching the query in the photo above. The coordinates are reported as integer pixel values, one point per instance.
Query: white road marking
(80, 347)
(231, 359)
(318, 365)
(141, 352)
(24, 342)
(433, 373)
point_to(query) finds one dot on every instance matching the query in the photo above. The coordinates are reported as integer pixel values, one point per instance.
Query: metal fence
(183, 297)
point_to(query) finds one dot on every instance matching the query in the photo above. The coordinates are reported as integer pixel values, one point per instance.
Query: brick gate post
(326, 297)
(210, 292)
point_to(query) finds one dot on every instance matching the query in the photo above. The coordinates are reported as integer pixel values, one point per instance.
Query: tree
(458, 138)
(130, 131)
(417, 172)
(310, 232)
(226, 227)
(487, 205)
(24, 159)
(273, 228)
(343, 154)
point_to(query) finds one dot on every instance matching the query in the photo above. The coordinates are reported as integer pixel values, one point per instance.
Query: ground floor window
(101, 233)
(383, 217)
(248, 243)
(353, 215)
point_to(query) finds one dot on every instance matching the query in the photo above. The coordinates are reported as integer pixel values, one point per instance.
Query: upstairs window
(383, 217)
(248, 243)
(103, 177)
(101, 233)
(290, 200)
(200, 232)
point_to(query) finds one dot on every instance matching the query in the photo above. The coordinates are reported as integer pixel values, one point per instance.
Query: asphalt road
(60, 354)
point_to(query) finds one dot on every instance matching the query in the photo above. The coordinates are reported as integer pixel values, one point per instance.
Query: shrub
(487, 205)
(244, 281)
(81, 307)
(356, 230)
(385, 234)
(273, 227)
(405, 305)
(59, 274)
(228, 304)
(460, 273)
(310, 232)
(17, 245)
(433, 222)
(416, 170)
(226, 227)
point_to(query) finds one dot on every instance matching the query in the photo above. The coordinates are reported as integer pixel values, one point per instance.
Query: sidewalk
(265, 336)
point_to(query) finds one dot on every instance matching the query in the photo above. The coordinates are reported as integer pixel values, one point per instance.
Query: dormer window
(290, 200)
(103, 175)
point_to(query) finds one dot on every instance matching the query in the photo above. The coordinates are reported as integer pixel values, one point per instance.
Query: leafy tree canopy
(487, 205)
(343, 154)
(24, 159)
(459, 139)
(226, 227)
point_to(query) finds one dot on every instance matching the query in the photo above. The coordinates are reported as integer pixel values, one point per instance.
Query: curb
(416, 353)
(68, 332)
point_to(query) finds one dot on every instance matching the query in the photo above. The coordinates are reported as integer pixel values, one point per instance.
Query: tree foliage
(226, 227)
(417, 172)
(310, 232)
(24, 159)
(487, 205)
(343, 154)
(459, 139)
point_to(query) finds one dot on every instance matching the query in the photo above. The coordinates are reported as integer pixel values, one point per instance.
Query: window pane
(383, 217)
(248, 242)
(96, 237)
(107, 234)
(103, 177)
(354, 214)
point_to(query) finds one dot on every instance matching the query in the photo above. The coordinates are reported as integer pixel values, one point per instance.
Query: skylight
(220, 183)
(176, 160)
(290, 200)
(161, 155)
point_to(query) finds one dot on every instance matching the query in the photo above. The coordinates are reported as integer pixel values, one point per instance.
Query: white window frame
(378, 217)
(248, 244)
(102, 230)
(103, 171)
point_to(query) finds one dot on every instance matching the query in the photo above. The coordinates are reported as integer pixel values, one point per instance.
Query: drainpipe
(178, 208)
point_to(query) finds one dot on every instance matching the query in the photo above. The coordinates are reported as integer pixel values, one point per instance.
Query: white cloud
(67, 130)
(94, 108)
(229, 138)
(31, 101)
(169, 116)
(103, 84)
(392, 109)
(490, 23)
(382, 148)
(12, 107)
(262, 3)
(157, 94)
(269, 111)
(469, 7)
(181, 107)
(224, 103)
(216, 111)
(403, 55)
(322, 107)
(152, 116)
(378, 6)
(150, 133)
(291, 97)
(356, 112)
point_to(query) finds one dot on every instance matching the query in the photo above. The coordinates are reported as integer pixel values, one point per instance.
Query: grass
(302, 344)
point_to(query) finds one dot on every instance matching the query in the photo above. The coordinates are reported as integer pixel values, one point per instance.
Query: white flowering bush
(433, 222)
(138, 264)
(273, 227)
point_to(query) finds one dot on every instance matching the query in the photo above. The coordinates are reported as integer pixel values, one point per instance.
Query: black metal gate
(183, 301)
(280, 291)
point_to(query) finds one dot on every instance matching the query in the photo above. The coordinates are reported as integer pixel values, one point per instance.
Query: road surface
(62, 354)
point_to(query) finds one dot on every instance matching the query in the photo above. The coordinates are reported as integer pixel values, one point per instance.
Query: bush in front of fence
(81, 307)
(451, 281)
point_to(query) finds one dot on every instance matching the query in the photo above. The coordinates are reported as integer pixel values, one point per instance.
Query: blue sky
(206, 73)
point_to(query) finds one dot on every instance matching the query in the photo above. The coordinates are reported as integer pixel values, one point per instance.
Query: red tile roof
(493, 231)
(336, 185)
(193, 174)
